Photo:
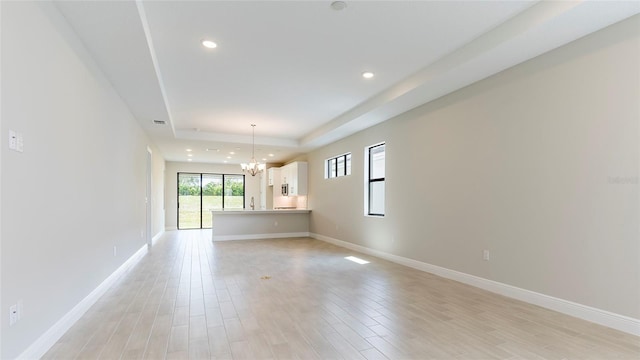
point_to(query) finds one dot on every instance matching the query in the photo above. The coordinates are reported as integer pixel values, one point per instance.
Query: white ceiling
(294, 68)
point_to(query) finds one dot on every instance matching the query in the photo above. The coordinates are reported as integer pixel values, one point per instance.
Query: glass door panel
(233, 192)
(211, 197)
(189, 201)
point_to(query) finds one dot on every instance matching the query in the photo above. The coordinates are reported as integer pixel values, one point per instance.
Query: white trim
(40, 347)
(260, 236)
(156, 237)
(606, 318)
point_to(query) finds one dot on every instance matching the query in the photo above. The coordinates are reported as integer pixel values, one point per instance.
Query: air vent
(159, 122)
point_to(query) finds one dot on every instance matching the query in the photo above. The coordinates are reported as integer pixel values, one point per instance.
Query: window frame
(329, 168)
(369, 180)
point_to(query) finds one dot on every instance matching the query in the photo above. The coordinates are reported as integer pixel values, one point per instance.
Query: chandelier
(253, 167)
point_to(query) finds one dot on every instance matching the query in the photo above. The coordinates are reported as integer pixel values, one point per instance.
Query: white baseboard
(259, 236)
(156, 237)
(169, 228)
(51, 336)
(616, 321)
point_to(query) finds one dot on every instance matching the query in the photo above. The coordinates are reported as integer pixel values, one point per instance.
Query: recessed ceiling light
(231, 153)
(209, 44)
(225, 161)
(189, 154)
(367, 74)
(189, 150)
(271, 155)
(264, 159)
(189, 159)
(228, 157)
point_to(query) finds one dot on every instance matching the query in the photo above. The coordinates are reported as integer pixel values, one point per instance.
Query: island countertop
(259, 212)
(242, 224)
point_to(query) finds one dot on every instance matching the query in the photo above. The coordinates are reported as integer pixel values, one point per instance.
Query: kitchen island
(259, 224)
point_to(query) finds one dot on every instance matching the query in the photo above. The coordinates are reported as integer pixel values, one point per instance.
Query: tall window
(198, 194)
(375, 179)
(338, 166)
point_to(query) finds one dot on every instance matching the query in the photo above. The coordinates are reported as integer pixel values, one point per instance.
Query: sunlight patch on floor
(357, 260)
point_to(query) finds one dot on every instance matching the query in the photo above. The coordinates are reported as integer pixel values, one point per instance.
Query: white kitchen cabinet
(271, 174)
(263, 191)
(295, 174)
(285, 178)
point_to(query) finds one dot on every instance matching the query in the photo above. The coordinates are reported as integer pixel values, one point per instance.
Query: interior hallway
(190, 298)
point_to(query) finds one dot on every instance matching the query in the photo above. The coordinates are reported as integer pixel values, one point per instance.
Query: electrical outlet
(275, 224)
(485, 255)
(115, 250)
(13, 314)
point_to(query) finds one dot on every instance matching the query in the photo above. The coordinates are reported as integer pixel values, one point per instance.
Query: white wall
(3, 145)
(538, 164)
(251, 184)
(78, 188)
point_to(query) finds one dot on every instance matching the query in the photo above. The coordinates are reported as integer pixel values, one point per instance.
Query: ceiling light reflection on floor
(356, 260)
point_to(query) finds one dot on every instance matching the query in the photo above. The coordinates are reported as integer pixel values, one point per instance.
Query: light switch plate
(13, 140)
(19, 142)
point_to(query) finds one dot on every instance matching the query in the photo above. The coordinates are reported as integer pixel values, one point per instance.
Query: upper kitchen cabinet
(295, 175)
(272, 173)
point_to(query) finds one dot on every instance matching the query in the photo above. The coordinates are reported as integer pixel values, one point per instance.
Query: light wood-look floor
(191, 299)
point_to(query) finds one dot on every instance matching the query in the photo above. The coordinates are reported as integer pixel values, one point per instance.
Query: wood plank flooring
(193, 299)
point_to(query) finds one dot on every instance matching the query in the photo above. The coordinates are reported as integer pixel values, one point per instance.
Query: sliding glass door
(198, 194)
